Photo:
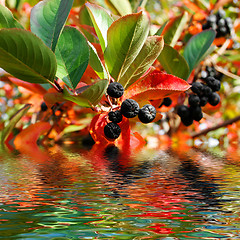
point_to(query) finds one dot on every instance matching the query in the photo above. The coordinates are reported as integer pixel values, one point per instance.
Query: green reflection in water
(69, 195)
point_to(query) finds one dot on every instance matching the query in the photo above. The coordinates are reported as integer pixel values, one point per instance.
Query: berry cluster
(204, 92)
(129, 109)
(223, 26)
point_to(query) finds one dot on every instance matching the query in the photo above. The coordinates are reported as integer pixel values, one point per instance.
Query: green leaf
(90, 97)
(13, 121)
(72, 53)
(48, 18)
(26, 57)
(126, 37)
(122, 7)
(160, 30)
(146, 57)
(101, 21)
(173, 62)
(96, 63)
(7, 20)
(174, 28)
(197, 46)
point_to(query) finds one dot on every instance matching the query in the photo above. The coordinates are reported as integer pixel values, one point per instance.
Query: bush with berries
(102, 73)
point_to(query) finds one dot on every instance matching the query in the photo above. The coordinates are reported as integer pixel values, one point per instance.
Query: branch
(223, 124)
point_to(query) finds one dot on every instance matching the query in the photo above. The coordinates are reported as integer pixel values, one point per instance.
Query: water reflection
(106, 193)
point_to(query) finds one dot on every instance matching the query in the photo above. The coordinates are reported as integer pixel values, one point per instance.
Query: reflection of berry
(112, 130)
(44, 107)
(147, 113)
(214, 99)
(129, 108)
(115, 90)
(115, 116)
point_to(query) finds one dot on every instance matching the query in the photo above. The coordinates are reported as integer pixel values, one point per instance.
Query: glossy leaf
(48, 18)
(122, 7)
(13, 121)
(173, 62)
(155, 86)
(101, 21)
(90, 97)
(174, 28)
(7, 20)
(126, 37)
(197, 47)
(72, 53)
(96, 64)
(26, 57)
(146, 57)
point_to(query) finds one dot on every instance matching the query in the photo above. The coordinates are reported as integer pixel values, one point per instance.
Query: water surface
(107, 194)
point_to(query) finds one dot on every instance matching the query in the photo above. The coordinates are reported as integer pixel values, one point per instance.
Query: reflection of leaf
(155, 86)
(48, 18)
(101, 21)
(126, 37)
(197, 46)
(89, 97)
(173, 62)
(26, 57)
(174, 28)
(72, 53)
(7, 20)
(13, 121)
(146, 57)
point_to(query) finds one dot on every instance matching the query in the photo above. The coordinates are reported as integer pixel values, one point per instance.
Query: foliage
(66, 55)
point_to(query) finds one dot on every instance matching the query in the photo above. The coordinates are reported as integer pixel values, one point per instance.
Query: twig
(227, 73)
(223, 124)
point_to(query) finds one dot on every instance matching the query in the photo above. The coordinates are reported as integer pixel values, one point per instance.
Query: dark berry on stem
(203, 101)
(196, 113)
(115, 116)
(213, 83)
(112, 130)
(197, 88)
(167, 101)
(115, 90)
(44, 107)
(129, 108)
(214, 99)
(193, 100)
(207, 91)
(187, 121)
(183, 111)
(147, 113)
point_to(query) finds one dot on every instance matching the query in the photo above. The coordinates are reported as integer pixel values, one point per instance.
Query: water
(106, 194)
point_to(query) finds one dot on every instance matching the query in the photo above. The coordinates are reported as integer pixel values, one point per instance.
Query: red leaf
(155, 86)
(33, 87)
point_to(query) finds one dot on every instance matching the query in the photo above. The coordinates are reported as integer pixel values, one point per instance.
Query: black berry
(112, 130)
(196, 113)
(214, 99)
(203, 101)
(147, 113)
(194, 100)
(129, 108)
(183, 111)
(115, 90)
(197, 88)
(187, 121)
(44, 107)
(213, 83)
(167, 101)
(115, 116)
